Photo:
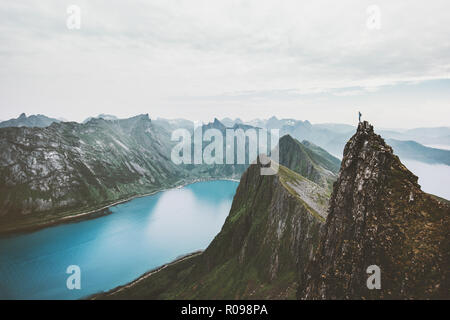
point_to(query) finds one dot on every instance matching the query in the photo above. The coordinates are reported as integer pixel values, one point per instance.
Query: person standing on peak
(359, 116)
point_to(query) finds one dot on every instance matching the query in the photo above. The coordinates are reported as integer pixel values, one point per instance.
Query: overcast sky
(314, 60)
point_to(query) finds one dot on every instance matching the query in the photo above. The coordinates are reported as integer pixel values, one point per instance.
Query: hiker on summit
(359, 115)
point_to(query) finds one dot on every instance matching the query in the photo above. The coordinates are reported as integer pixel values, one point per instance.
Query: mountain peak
(216, 124)
(364, 146)
(365, 126)
(287, 137)
(308, 160)
(379, 216)
(38, 120)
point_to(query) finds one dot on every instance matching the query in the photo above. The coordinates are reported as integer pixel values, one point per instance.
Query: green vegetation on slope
(70, 168)
(260, 251)
(67, 169)
(309, 160)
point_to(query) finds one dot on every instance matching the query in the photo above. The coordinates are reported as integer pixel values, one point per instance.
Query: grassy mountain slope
(269, 235)
(309, 161)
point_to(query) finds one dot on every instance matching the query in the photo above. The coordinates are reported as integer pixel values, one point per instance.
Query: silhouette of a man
(359, 115)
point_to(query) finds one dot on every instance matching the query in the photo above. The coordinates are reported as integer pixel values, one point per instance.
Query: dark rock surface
(379, 216)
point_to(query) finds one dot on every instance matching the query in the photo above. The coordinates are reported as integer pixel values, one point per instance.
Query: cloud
(137, 55)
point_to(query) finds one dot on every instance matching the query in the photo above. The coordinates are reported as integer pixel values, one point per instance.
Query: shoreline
(144, 276)
(91, 214)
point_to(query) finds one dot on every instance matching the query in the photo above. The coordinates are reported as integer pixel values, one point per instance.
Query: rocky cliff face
(267, 239)
(379, 216)
(69, 167)
(309, 161)
(271, 232)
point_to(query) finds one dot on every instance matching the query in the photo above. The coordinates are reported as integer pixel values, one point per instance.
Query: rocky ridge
(379, 216)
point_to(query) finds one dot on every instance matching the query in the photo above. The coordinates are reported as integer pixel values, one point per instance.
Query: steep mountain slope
(270, 234)
(309, 161)
(230, 122)
(70, 167)
(39, 120)
(379, 216)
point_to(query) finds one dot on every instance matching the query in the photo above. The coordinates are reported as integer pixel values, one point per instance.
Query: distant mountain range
(286, 238)
(408, 144)
(101, 116)
(333, 137)
(426, 136)
(39, 120)
(68, 168)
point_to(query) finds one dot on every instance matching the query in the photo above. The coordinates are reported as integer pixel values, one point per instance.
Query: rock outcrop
(379, 216)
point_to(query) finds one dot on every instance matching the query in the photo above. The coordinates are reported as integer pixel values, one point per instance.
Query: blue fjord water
(112, 250)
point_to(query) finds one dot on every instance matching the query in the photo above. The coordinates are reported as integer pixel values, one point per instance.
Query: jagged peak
(378, 215)
(143, 116)
(217, 124)
(365, 127)
(371, 153)
(288, 140)
(287, 137)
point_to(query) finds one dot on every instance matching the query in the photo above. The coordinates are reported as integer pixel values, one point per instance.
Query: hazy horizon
(399, 129)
